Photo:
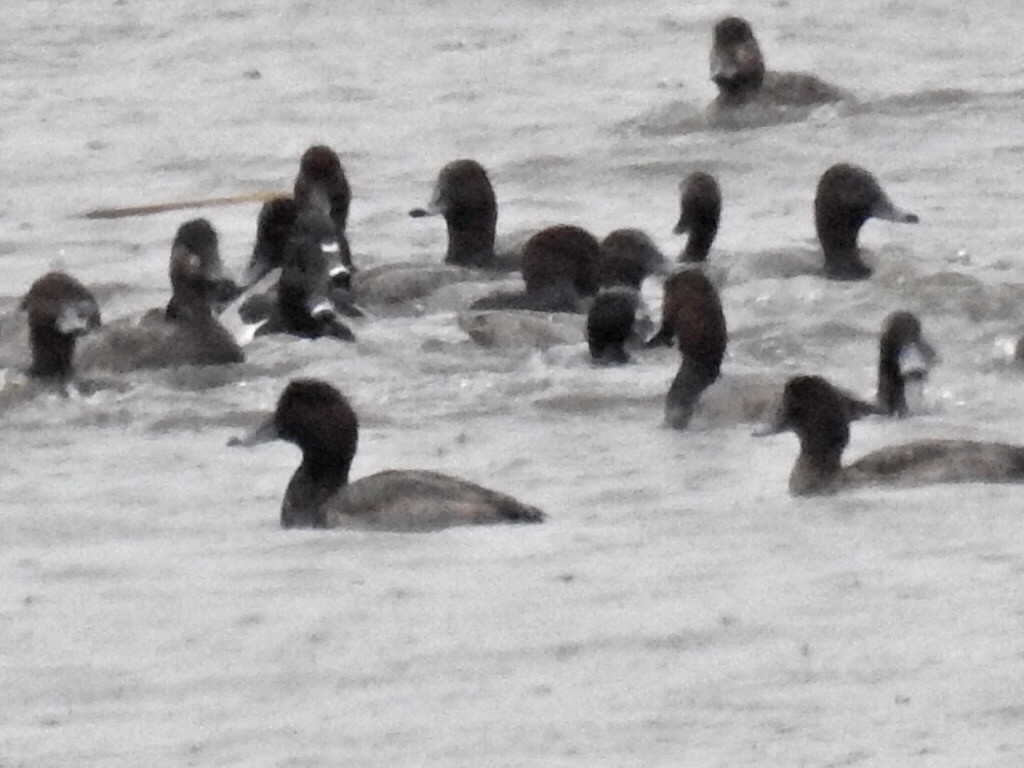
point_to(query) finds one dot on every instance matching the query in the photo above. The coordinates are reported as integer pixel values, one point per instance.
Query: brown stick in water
(204, 202)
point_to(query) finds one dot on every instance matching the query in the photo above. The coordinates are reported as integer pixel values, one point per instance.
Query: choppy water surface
(680, 608)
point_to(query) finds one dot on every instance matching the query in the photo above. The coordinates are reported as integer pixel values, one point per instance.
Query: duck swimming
(60, 311)
(196, 270)
(700, 210)
(692, 313)
(302, 305)
(904, 355)
(818, 413)
(320, 421)
(321, 183)
(463, 195)
(188, 333)
(737, 68)
(561, 270)
(846, 197)
(617, 315)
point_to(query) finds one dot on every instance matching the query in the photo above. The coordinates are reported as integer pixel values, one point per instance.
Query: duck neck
(691, 380)
(471, 237)
(188, 304)
(891, 390)
(816, 471)
(294, 312)
(316, 480)
(699, 243)
(839, 244)
(52, 354)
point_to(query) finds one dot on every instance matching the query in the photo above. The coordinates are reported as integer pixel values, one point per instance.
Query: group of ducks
(301, 280)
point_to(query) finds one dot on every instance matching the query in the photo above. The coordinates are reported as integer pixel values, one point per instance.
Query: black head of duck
(60, 311)
(846, 197)
(463, 195)
(318, 418)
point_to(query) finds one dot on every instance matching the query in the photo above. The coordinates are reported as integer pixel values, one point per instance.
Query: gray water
(680, 608)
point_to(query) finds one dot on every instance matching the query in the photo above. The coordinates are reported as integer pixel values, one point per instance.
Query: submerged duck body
(321, 422)
(816, 411)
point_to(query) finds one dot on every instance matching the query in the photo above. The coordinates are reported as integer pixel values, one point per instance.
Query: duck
(618, 317)
(846, 197)
(568, 272)
(187, 332)
(691, 313)
(321, 183)
(196, 271)
(561, 271)
(904, 356)
(737, 69)
(464, 197)
(60, 311)
(318, 418)
(816, 411)
(302, 302)
(700, 210)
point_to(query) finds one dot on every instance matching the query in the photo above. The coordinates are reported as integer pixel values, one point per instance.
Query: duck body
(817, 412)
(320, 421)
(187, 331)
(738, 70)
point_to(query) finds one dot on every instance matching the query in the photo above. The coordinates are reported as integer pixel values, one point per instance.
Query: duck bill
(916, 360)
(265, 433)
(722, 67)
(78, 319)
(885, 210)
(433, 208)
(775, 423)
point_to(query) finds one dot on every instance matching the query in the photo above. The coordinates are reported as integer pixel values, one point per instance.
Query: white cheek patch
(330, 247)
(338, 271)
